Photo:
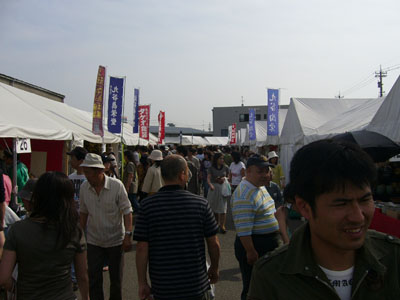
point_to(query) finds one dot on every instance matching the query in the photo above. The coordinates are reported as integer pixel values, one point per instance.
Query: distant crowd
(63, 231)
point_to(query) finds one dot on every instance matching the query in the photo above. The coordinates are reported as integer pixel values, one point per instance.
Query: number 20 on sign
(24, 146)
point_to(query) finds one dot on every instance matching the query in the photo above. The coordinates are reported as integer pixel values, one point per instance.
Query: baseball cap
(106, 158)
(78, 152)
(258, 160)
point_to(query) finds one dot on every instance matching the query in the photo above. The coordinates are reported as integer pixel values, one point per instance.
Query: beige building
(31, 88)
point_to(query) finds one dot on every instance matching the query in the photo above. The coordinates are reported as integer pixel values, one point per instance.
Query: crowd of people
(173, 202)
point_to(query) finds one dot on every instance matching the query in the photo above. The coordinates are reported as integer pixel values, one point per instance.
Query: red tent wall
(53, 149)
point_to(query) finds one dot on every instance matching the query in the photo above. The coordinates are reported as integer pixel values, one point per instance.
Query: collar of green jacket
(299, 257)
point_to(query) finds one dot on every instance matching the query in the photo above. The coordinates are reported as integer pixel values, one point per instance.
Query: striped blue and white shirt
(253, 210)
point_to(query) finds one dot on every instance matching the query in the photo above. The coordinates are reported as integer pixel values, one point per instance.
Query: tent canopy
(310, 119)
(186, 140)
(18, 119)
(73, 123)
(386, 121)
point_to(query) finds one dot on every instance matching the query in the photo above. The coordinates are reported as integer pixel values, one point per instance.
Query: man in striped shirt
(253, 212)
(170, 229)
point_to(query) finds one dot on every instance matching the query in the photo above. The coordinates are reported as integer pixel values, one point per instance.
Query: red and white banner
(161, 127)
(144, 121)
(233, 134)
(97, 123)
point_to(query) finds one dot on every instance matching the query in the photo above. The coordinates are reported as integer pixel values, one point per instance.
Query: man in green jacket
(334, 255)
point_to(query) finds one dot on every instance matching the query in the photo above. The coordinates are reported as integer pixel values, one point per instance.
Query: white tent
(262, 139)
(19, 120)
(356, 118)
(387, 119)
(305, 119)
(77, 123)
(129, 138)
(217, 140)
(187, 140)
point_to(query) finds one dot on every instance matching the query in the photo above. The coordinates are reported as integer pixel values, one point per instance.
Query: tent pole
(13, 202)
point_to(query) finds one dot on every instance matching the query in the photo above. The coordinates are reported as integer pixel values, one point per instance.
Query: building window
(224, 132)
(243, 117)
(265, 116)
(258, 117)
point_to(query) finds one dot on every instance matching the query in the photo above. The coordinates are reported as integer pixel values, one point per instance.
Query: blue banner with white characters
(115, 103)
(252, 124)
(136, 112)
(273, 112)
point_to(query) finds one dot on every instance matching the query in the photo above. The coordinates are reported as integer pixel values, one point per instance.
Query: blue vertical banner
(252, 124)
(273, 112)
(136, 112)
(115, 103)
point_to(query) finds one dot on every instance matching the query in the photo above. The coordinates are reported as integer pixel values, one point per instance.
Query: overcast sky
(189, 56)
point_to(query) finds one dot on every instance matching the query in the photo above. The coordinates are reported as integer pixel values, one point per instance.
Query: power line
(370, 78)
(381, 74)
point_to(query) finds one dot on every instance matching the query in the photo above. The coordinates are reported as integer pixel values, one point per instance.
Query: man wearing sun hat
(104, 204)
(153, 180)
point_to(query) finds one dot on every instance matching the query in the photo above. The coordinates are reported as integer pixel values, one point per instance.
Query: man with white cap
(104, 204)
(277, 174)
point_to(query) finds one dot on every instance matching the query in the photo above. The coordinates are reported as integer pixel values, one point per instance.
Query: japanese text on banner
(161, 127)
(97, 123)
(273, 112)
(144, 121)
(115, 103)
(233, 134)
(252, 124)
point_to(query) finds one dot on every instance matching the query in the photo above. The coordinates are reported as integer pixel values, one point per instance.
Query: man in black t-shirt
(170, 229)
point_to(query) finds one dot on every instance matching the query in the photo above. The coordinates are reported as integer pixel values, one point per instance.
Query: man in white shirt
(106, 213)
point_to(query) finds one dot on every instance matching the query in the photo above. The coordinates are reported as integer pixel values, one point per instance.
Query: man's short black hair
(78, 152)
(182, 150)
(129, 155)
(325, 166)
(171, 166)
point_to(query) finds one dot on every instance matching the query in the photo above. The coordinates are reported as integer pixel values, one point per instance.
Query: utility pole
(242, 101)
(380, 75)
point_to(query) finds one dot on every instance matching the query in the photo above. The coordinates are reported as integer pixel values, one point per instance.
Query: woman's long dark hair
(53, 201)
(215, 160)
(236, 157)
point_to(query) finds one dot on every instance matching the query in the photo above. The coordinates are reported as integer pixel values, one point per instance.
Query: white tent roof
(19, 120)
(217, 140)
(305, 115)
(262, 138)
(131, 139)
(76, 124)
(387, 119)
(356, 118)
(186, 140)
(311, 119)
